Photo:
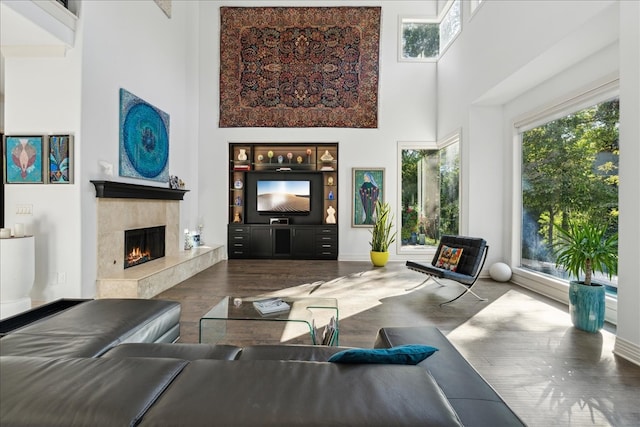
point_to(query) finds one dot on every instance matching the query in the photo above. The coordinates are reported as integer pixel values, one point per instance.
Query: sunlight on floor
(356, 293)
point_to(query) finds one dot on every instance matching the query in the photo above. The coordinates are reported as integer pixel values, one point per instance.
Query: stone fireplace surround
(137, 207)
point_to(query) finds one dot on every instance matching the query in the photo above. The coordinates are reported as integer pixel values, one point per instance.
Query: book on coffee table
(271, 306)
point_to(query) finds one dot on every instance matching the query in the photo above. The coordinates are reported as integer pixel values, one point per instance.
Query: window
(450, 25)
(420, 39)
(425, 39)
(569, 174)
(429, 193)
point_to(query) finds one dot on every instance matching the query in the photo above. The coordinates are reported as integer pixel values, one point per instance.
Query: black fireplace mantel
(123, 190)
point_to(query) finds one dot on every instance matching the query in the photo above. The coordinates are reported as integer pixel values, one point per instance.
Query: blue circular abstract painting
(144, 139)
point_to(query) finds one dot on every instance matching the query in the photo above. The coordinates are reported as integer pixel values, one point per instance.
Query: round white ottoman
(500, 272)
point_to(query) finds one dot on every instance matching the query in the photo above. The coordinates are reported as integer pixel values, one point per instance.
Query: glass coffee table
(317, 317)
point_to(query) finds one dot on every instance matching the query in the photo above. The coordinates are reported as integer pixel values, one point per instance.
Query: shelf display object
(280, 229)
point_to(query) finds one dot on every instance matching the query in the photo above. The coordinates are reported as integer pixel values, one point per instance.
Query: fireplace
(143, 245)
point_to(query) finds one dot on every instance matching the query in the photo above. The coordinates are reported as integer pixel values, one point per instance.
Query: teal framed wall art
(144, 139)
(23, 159)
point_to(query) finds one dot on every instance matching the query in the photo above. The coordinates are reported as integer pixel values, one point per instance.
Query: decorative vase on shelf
(326, 157)
(243, 155)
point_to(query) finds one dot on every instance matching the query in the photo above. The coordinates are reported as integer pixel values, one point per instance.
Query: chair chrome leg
(467, 290)
(419, 284)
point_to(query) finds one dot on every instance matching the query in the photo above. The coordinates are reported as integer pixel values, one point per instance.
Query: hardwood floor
(524, 345)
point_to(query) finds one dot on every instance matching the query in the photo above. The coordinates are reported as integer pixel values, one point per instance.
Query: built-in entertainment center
(283, 200)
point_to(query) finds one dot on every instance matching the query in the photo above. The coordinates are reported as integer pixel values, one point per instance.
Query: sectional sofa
(115, 362)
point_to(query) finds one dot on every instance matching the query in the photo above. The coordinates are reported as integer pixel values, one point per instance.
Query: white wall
(42, 96)
(133, 45)
(407, 94)
(628, 337)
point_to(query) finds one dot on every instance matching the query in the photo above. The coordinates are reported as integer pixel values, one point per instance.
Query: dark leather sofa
(159, 383)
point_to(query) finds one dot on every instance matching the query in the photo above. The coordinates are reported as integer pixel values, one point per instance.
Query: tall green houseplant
(586, 248)
(382, 234)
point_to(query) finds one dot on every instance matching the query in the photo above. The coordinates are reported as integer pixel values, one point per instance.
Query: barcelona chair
(469, 264)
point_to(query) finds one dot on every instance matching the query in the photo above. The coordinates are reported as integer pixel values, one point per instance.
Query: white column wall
(133, 45)
(42, 96)
(628, 336)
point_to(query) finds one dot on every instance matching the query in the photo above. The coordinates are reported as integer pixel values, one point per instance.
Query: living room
(502, 66)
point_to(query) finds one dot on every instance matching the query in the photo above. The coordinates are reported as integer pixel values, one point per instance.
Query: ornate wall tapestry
(299, 66)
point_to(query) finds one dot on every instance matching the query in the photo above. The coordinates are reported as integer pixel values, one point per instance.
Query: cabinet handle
(238, 237)
(326, 246)
(326, 238)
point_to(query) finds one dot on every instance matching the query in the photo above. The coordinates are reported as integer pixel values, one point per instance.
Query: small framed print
(368, 188)
(60, 159)
(23, 159)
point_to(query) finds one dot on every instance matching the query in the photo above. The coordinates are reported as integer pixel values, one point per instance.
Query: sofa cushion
(91, 328)
(475, 401)
(286, 393)
(175, 351)
(311, 353)
(409, 354)
(38, 391)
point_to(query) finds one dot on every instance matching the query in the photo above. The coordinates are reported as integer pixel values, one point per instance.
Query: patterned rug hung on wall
(299, 66)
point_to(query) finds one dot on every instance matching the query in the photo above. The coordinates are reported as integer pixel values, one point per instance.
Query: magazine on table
(271, 306)
(329, 332)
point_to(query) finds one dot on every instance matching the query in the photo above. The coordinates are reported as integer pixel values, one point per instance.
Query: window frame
(456, 137)
(422, 19)
(414, 20)
(544, 284)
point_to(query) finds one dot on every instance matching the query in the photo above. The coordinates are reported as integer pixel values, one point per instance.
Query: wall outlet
(24, 209)
(61, 278)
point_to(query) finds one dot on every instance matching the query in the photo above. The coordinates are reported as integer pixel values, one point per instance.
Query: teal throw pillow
(410, 354)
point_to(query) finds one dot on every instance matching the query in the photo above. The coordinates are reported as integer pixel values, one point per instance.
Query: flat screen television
(283, 196)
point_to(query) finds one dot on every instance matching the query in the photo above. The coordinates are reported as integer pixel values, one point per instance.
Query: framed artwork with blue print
(144, 139)
(23, 159)
(60, 159)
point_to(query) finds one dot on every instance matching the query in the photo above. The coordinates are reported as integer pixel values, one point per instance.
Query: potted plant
(587, 248)
(381, 235)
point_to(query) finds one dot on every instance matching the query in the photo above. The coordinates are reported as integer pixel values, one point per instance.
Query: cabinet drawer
(326, 251)
(327, 238)
(238, 249)
(326, 246)
(238, 238)
(238, 229)
(324, 231)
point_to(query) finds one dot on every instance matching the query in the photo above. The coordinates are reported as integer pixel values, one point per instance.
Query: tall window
(430, 193)
(569, 174)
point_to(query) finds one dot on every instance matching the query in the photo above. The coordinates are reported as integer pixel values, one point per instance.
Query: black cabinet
(303, 242)
(239, 242)
(311, 231)
(261, 242)
(283, 241)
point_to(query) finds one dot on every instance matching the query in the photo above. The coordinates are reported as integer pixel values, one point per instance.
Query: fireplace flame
(137, 256)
